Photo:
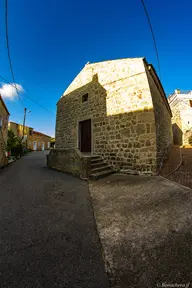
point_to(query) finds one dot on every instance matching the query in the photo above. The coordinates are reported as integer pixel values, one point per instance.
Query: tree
(52, 142)
(14, 144)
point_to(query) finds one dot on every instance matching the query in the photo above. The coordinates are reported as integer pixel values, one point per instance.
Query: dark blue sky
(51, 41)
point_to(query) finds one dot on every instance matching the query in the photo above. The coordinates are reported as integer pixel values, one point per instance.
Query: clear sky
(51, 41)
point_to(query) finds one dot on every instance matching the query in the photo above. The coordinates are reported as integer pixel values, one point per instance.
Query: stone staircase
(99, 168)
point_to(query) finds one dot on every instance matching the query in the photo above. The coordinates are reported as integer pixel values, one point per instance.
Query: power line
(8, 49)
(26, 95)
(39, 105)
(153, 36)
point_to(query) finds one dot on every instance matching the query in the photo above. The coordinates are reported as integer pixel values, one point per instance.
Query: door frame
(42, 146)
(78, 132)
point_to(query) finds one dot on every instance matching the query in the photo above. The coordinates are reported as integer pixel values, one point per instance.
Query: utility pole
(25, 110)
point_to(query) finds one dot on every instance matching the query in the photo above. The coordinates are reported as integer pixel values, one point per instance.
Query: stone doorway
(85, 136)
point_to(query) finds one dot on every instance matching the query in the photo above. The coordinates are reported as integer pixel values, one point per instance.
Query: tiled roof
(41, 134)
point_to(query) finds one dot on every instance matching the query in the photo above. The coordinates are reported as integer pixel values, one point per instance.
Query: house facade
(32, 139)
(181, 106)
(115, 109)
(38, 141)
(18, 129)
(4, 118)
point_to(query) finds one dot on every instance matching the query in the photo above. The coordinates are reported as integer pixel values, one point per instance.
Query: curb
(9, 163)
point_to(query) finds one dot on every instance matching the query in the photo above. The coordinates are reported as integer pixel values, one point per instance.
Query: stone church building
(113, 116)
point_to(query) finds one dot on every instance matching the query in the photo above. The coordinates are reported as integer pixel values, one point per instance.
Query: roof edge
(162, 92)
(39, 133)
(20, 124)
(110, 60)
(1, 99)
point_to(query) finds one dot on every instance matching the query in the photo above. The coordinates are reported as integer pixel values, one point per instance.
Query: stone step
(97, 164)
(102, 167)
(95, 156)
(96, 160)
(98, 175)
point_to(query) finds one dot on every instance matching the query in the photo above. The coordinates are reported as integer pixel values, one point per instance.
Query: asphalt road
(48, 235)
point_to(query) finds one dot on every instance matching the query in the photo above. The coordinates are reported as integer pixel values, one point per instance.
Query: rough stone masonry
(129, 112)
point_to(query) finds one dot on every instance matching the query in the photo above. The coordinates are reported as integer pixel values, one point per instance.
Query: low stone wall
(3, 158)
(69, 161)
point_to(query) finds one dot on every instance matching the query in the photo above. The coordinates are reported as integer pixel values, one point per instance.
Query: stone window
(190, 103)
(85, 98)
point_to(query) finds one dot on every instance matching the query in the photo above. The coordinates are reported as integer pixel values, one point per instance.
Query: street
(48, 235)
(145, 227)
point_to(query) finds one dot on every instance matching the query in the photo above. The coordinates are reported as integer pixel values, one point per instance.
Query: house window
(190, 103)
(30, 132)
(85, 98)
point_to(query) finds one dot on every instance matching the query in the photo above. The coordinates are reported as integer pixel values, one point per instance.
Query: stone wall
(70, 161)
(164, 137)
(4, 116)
(127, 140)
(121, 109)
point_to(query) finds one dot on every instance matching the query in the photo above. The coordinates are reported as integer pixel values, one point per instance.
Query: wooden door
(85, 135)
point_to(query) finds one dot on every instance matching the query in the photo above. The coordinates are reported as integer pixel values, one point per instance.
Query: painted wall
(39, 139)
(182, 117)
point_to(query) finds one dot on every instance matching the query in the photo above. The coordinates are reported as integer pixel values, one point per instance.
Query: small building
(39, 141)
(114, 112)
(31, 139)
(4, 118)
(181, 107)
(18, 129)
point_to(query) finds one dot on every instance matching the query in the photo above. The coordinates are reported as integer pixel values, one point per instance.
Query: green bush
(14, 144)
(17, 150)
